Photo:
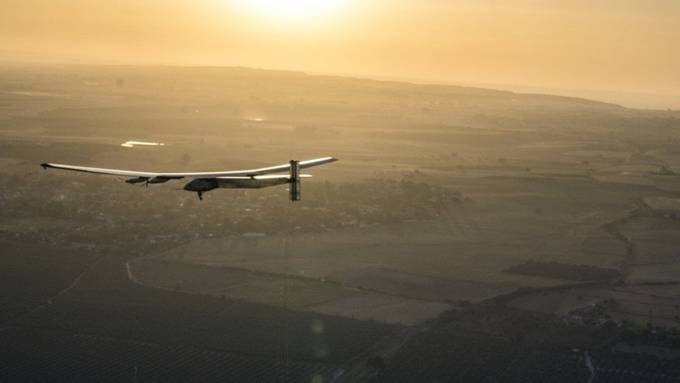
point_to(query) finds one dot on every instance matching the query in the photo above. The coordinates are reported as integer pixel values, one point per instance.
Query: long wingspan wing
(112, 172)
(232, 173)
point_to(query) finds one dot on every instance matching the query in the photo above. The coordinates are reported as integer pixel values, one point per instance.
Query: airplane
(205, 181)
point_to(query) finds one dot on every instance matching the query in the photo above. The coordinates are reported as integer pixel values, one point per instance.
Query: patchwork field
(439, 192)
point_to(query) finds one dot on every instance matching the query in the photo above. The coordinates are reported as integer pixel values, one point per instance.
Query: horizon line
(607, 96)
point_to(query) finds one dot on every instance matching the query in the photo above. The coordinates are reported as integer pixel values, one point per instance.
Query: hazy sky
(618, 45)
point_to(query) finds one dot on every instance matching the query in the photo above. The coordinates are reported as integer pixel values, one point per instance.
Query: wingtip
(45, 165)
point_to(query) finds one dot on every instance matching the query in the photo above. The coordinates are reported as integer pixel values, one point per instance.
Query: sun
(291, 10)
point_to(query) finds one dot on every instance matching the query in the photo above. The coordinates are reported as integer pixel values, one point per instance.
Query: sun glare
(291, 10)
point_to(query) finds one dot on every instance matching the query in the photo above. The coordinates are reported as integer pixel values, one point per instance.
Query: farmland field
(409, 240)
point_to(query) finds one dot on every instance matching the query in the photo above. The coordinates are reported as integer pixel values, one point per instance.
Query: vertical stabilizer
(294, 180)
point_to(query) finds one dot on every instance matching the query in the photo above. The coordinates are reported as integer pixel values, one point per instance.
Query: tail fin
(294, 180)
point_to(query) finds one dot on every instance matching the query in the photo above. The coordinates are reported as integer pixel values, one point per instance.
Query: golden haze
(617, 45)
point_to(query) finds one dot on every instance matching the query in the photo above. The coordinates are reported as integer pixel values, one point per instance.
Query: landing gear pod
(201, 185)
(294, 180)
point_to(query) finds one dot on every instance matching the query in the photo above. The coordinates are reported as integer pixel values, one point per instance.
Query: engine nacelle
(159, 180)
(137, 180)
